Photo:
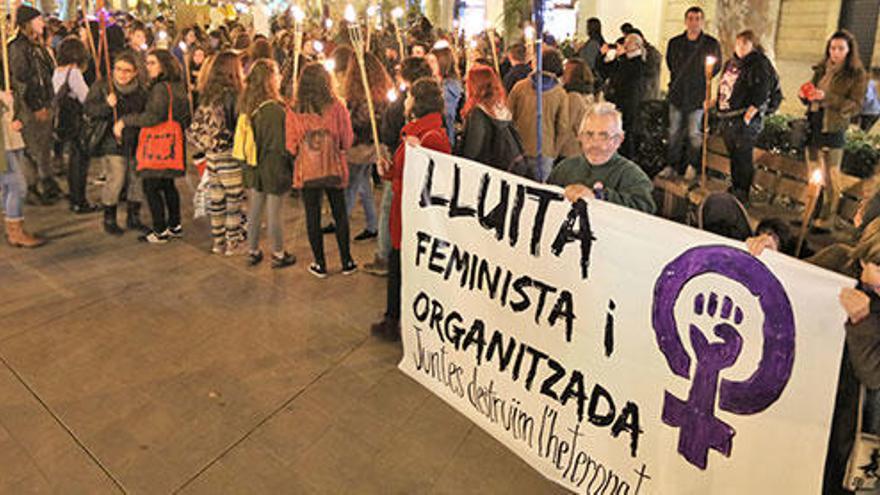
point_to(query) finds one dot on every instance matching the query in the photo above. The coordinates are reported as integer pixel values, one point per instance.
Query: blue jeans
(383, 248)
(13, 186)
(678, 133)
(359, 186)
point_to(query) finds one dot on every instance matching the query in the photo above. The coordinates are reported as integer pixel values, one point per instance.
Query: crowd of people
(261, 125)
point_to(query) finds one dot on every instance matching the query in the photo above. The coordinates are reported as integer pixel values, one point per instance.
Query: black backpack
(67, 123)
(776, 96)
(507, 150)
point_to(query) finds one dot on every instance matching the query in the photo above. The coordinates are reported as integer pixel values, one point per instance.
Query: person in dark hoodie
(624, 87)
(166, 79)
(117, 158)
(411, 70)
(686, 56)
(555, 122)
(424, 107)
(746, 83)
(519, 66)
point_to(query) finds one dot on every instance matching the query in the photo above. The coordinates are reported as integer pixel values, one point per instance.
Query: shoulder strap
(170, 102)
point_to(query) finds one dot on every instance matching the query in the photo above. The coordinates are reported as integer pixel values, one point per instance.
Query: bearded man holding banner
(599, 171)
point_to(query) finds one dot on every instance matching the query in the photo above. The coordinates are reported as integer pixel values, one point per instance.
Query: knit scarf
(127, 89)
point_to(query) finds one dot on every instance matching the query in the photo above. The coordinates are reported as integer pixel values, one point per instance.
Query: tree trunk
(761, 16)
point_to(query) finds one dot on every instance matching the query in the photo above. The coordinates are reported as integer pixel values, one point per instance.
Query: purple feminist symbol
(700, 429)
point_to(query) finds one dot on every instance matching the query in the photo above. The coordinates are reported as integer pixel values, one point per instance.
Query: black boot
(133, 217)
(110, 225)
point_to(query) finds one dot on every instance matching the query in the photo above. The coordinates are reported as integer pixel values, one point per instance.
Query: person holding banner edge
(424, 107)
(599, 171)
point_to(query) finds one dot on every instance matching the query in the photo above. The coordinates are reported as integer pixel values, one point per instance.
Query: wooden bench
(782, 179)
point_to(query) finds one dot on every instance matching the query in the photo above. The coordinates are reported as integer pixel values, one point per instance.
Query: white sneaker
(219, 246)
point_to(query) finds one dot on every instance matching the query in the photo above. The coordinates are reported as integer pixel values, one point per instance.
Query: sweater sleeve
(635, 191)
(763, 86)
(849, 105)
(863, 344)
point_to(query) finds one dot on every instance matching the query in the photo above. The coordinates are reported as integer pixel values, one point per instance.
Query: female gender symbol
(700, 429)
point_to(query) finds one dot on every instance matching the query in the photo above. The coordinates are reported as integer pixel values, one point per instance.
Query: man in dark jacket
(519, 66)
(31, 69)
(411, 70)
(686, 57)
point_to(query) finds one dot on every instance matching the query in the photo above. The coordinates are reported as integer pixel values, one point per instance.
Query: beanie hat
(26, 14)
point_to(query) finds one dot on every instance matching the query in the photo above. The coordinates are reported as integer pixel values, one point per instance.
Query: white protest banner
(616, 352)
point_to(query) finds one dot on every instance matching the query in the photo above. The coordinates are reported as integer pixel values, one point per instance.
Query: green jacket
(623, 181)
(274, 171)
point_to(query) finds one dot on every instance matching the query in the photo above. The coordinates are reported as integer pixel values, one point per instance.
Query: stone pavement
(132, 368)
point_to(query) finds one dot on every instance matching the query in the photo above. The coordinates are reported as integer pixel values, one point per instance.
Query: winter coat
(429, 129)
(686, 61)
(745, 82)
(156, 112)
(479, 128)
(273, 173)
(516, 74)
(844, 99)
(96, 107)
(31, 69)
(556, 122)
(624, 86)
(623, 182)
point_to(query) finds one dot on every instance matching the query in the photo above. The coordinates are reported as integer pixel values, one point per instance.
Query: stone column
(761, 16)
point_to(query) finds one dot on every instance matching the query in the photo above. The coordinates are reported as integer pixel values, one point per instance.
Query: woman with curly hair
(362, 155)
(211, 134)
(270, 179)
(319, 129)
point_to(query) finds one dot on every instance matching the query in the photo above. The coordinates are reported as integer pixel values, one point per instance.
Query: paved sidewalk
(132, 368)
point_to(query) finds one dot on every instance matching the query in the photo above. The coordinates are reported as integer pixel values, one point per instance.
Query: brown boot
(17, 237)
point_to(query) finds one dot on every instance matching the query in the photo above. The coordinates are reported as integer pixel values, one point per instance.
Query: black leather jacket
(31, 67)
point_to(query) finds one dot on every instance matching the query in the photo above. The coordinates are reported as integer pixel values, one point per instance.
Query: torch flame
(441, 44)
(817, 178)
(529, 32)
(318, 46)
(328, 23)
(330, 65)
(298, 14)
(392, 95)
(397, 13)
(350, 14)
(710, 61)
(371, 10)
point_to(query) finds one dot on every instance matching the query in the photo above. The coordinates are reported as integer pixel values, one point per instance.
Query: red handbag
(161, 147)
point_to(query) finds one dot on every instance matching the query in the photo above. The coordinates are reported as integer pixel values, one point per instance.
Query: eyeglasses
(598, 136)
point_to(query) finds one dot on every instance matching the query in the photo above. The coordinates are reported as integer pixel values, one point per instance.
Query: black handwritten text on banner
(615, 352)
